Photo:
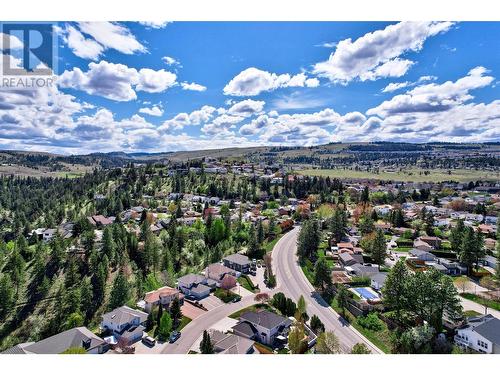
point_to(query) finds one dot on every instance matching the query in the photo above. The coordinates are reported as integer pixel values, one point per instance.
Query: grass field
(415, 175)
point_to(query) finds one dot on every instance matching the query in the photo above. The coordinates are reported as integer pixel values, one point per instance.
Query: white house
(481, 334)
(125, 322)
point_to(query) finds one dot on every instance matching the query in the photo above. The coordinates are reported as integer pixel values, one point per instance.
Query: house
(163, 296)
(481, 334)
(126, 323)
(489, 261)
(378, 280)
(237, 262)
(79, 337)
(433, 241)
(262, 326)
(48, 234)
(193, 285)
(452, 267)
(100, 220)
(422, 255)
(361, 270)
(422, 245)
(217, 272)
(347, 259)
(227, 343)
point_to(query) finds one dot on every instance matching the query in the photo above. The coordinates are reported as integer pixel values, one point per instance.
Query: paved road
(474, 306)
(195, 328)
(293, 283)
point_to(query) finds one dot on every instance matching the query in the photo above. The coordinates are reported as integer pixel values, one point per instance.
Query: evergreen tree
(379, 248)
(395, 289)
(338, 224)
(120, 291)
(175, 312)
(165, 326)
(322, 276)
(206, 346)
(6, 295)
(456, 236)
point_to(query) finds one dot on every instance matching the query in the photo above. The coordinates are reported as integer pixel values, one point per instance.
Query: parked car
(236, 299)
(149, 341)
(174, 336)
(253, 272)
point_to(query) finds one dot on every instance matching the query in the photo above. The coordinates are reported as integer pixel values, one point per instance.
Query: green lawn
(184, 322)
(246, 283)
(269, 245)
(416, 175)
(225, 295)
(258, 306)
(482, 301)
(471, 313)
(381, 339)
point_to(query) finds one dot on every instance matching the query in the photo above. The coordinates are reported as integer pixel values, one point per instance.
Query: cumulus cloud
(221, 124)
(435, 97)
(253, 81)
(192, 86)
(153, 111)
(112, 35)
(116, 81)
(393, 86)
(155, 24)
(376, 54)
(170, 60)
(82, 47)
(197, 117)
(246, 108)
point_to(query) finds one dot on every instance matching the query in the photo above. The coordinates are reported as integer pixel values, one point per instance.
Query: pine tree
(322, 276)
(379, 248)
(468, 245)
(206, 346)
(175, 312)
(165, 326)
(456, 236)
(6, 295)
(120, 291)
(395, 288)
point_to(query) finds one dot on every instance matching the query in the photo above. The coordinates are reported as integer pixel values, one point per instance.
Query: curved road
(293, 283)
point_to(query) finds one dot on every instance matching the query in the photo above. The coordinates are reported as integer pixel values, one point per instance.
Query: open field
(413, 175)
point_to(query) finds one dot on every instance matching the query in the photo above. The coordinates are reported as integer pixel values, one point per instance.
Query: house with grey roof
(347, 259)
(79, 337)
(227, 343)
(194, 286)
(262, 326)
(422, 255)
(237, 262)
(480, 334)
(125, 323)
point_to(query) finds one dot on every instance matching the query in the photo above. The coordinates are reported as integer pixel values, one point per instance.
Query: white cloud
(81, 46)
(221, 124)
(153, 111)
(327, 45)
(253, 81)
(170, 60)
(192, 86)
(155, 81)
(393, 86)
(116, 81)
(179, 121)
(155, 24)
(246, 108)
(375, 55)
(113, 35)
(434, 97)
(427, 78)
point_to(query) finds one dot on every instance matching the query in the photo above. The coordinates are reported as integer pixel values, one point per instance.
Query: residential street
(194, 329)
(293, 283)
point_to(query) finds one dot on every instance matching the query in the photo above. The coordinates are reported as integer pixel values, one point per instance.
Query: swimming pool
(366, 293)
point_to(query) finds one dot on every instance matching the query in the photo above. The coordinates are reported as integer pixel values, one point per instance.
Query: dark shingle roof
(490, 330)
(264, 318)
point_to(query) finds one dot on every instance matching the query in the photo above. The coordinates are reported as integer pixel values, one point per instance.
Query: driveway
(211, 302)
(238, 289)
(140, 348)
(192, 312)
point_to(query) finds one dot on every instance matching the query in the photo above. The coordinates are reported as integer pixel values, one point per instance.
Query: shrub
(371, 322)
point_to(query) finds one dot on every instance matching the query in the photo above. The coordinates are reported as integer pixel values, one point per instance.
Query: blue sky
(197, 85)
